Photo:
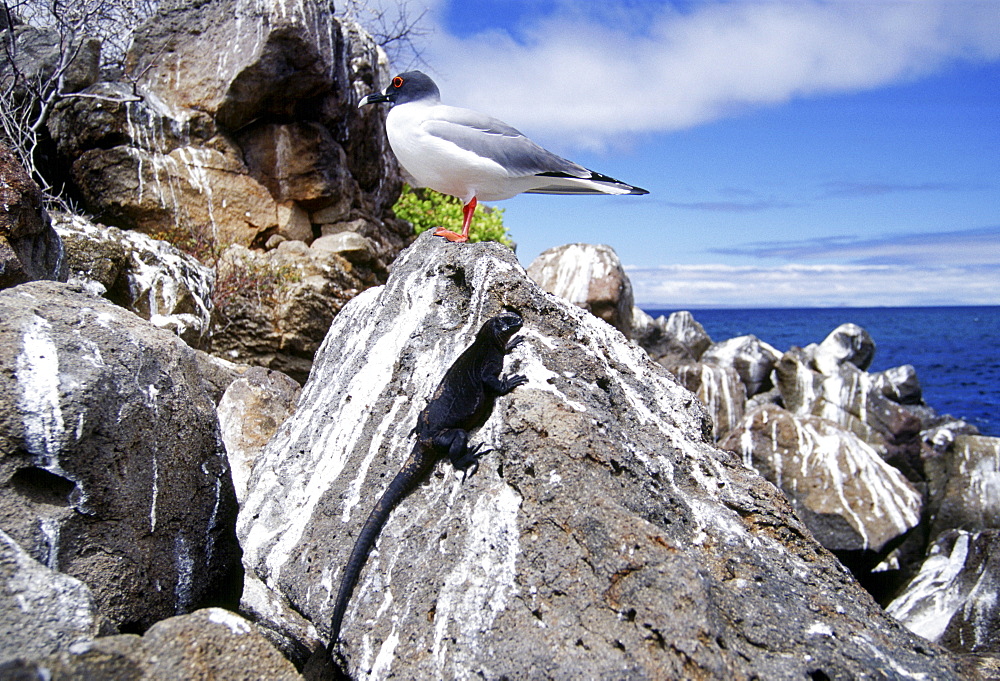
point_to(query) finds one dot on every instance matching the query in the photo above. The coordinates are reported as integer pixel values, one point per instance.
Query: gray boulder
(237, 145)
(964, 480)
(899, 384)
(753, 359)
(848, 396)
(851, 500)
(273, 308)
(253, 407)
(207, 644)
(41, 610)
(38, 53)
(149, 277)
(953, 599)
(111, 465)
(589, 276)
(603, 537)
(676, 339)
(29, 248)
(848, 343)
(719, 389)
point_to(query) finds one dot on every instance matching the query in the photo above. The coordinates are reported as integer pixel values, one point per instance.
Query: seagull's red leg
(467, 211)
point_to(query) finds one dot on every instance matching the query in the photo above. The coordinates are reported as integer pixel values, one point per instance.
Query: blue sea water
(955, 350)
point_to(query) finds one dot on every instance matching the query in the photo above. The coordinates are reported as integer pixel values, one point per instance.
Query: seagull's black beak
(374, 98)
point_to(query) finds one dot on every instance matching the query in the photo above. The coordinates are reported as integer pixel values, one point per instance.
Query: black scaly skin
(461, 401)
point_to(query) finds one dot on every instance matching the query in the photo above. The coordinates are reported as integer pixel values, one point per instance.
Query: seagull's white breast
(442, 165)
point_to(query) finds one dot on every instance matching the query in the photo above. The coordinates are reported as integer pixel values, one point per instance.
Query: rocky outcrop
(151, 278)
(29, 248)
(853, 502)
(111, 465)
(207, 644)
(719, 388)
(677, 339)
(589, 276)
(953, 600)
(273, 308)
(44, 54)
(751, 358)
(41, 610)
(250, 411)
(261, 139)
(602, 536)
(965, 484)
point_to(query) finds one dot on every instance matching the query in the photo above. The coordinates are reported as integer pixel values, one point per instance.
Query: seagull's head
(411, 86)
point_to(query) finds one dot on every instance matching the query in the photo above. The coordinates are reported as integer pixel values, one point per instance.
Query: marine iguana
(461, 401)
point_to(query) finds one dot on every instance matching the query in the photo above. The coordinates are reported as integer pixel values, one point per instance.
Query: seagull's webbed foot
(451, 236)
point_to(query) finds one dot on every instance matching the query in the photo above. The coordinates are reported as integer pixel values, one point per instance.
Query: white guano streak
(37, 372)
(477, 588)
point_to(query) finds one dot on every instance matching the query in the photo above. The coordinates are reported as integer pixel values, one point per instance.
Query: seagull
(473, 156)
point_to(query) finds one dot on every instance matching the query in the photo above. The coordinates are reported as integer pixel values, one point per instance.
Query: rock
(251, 410)
(720, 390)
(39, 52)
(965, 485)
(29, 248)
(953, 600)
(752, 358)
(149, 277)
(847, 343)
(41, 611)
(603, 537)
(273, 309)
(207, 644)
(111, 465)
(670, 340)
(853, 502)
(217, 374)
(298, 161)
(899, 384)
(350, 245)
(847, 396)
(591, 277)
(685, 328)
(236, 145)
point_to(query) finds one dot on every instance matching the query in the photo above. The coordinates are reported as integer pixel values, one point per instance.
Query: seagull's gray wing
(499, 142)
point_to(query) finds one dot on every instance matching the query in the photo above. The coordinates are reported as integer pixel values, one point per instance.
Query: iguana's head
(503, 326)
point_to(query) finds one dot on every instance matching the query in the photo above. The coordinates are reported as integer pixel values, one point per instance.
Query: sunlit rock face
(953, 600)
(589, 276)
(965, 485)
(149, 277)
(111, 466)
(751, 358)
(848, 496)
(236, 117)
(720, 390)
(603, 534)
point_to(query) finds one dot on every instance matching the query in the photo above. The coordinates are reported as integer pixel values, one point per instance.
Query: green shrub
(427, 209)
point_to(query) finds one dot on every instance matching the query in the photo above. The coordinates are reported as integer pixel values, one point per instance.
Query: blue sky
(796, 153)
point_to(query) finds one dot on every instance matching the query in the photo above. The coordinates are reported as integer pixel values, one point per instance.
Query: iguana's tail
(415, 468)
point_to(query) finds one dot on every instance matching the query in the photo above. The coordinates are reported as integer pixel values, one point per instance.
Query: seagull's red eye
(397, 82)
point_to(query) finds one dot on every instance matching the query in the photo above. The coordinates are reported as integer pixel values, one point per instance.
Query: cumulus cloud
(579, 73)
(677, 286)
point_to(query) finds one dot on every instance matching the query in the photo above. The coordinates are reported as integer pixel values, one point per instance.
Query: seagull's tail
(595, 183)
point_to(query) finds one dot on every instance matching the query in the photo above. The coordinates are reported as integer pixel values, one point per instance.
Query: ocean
(955, 350)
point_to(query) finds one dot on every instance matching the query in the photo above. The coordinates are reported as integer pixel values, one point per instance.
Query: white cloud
(796, 285)
(576, 74)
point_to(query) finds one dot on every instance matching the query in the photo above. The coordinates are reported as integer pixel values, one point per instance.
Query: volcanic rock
(602, 536)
